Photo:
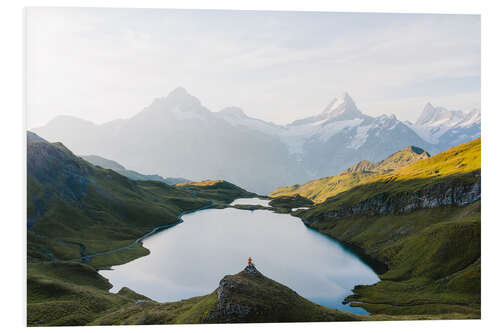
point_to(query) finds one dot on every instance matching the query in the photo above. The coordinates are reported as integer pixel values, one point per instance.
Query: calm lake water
(191, 258)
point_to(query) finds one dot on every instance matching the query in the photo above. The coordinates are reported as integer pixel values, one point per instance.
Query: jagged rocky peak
(342, 106)
(228, 302)
(251, 297)
(402, 158)
(399, 159)
(429, 113)
(343, 99)
(416, 150)
(432, 114)
(362, 166)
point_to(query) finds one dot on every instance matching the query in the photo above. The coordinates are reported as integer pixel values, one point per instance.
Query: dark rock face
(225, 305)
(439, 195)
(251, 269)
(251, 297)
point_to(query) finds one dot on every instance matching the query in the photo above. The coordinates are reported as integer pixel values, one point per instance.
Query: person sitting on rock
(249, 260)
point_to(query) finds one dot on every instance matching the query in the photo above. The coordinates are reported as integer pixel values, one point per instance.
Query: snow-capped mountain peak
(473, 117)
(342, 107)
(338, 102)
(439, 125)
(339, 109)
(235, 116)
(432, 115)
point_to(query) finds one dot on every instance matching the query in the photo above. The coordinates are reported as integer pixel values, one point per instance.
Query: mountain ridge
(249, 152)
(115, 166)
(320, 190)
(447, 128)
(76, 210)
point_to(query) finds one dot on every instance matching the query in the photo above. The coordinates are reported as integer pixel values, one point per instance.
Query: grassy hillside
(75, 294)
(219, 190)
(290, 201)
(62, 294)
(458, 165)
(77, 209)
(247, 297)
(433, 254)
(433, 259)
(362, 172)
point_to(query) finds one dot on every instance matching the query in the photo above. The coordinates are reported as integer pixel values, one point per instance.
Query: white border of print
(13, 152)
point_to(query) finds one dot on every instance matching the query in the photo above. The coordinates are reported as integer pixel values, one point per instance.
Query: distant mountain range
(115, 166)
(446, 128)
(177, 135)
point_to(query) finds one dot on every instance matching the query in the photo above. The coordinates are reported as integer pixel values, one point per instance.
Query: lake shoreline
(342, 267)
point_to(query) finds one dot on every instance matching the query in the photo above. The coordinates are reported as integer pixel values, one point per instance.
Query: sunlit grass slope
(433, 258)
(433, 255)
(461, 164)
(319, 190)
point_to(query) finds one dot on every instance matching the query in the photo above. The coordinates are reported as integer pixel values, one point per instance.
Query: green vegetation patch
(68, 294)
(321, 189)
(292, 201)
(433, 258)
(217, 190)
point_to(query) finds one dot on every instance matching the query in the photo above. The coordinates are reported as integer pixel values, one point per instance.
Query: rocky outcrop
(226, 305)
(251, 269)
(449, 193)
(250, 297)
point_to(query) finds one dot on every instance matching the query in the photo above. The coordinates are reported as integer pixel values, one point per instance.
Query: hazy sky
(104, 64)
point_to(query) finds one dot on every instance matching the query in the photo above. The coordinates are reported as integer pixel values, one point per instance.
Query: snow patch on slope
(295, 136)
(434, 122)
(360, 137)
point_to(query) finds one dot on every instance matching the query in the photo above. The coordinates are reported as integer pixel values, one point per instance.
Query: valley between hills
(414, 218)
